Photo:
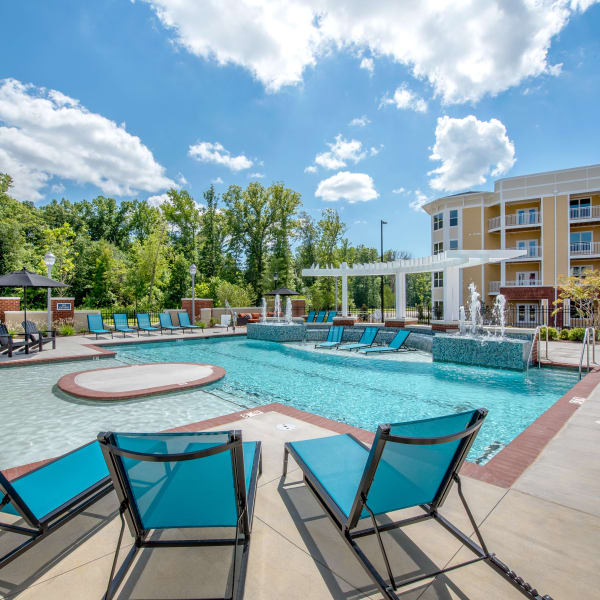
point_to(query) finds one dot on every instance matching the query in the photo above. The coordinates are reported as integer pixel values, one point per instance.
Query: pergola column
(400, 286)
(451, 293)
(345, 295)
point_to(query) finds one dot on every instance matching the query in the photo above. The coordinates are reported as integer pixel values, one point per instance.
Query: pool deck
(546, 527)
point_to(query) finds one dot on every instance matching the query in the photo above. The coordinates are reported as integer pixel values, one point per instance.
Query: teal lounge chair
(122, 324)
(410, 465)
(184, 321)
(330, 316)
(143, 321)
(96, 325)
(166, 323)
(311, 316)
(52, 495)
(334, 337)
(394, 346)
(320, 316)
(366, 339)
(174, 481)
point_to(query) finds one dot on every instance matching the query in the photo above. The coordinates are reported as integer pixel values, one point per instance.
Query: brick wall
(9, 303)
(62, 315)
(534, 294)
(186, 304)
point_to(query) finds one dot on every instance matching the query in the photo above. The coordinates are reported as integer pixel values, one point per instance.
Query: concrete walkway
(546, 528)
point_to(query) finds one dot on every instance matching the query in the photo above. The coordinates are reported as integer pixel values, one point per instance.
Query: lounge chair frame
(36, 337)
(38, 529)
(124, 329)
(346, 526)
(191, 326)
(147, 328)
(98, 332)
(12, 345)
(172, 328)
(129, 514)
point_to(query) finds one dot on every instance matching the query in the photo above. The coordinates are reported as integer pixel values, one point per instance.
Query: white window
(527, 278)
(578, 270)
(581, 241)
(526, 216)
(438, 247)
(453, 244)
(438, 221)
(528, 314)
(454, 218)
(530, 245)
(580, 208)
(438, 310)
(438, 279)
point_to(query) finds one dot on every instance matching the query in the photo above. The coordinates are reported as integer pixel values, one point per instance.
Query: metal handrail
(536, 336)
(585, 348)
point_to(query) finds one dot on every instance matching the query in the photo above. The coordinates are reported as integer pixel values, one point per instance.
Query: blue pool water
(39, 421)
(366, 391)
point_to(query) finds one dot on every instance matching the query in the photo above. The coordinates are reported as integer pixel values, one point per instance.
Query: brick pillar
(63, 309)
(298, 307)
(9, 303)
(186, 304)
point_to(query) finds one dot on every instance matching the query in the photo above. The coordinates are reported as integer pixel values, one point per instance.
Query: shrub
(552, 333)
(66, 329)
(564, 334)
(201, 324)
(576, 334)
(212, 322)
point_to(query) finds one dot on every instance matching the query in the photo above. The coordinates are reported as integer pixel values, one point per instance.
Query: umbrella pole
(25, 309)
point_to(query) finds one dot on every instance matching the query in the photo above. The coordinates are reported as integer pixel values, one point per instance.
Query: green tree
(107, 220)
(180, 281)
(184, 218)
(212, 234)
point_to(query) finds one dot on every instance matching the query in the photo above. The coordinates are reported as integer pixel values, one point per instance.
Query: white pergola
(450, 262)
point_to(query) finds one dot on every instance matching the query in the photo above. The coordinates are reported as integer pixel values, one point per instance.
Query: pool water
(39, 421)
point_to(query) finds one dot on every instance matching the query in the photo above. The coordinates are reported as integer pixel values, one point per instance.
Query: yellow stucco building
(554, 216)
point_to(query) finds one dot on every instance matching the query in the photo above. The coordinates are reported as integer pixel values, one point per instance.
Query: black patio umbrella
(282, 292)
(26, 279)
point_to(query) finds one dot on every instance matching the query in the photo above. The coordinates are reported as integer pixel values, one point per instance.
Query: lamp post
(49, 260)
(382, 223)
(275, 278)
(193, 271)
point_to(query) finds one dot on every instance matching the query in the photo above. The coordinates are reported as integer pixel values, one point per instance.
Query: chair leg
(286, 454)
(113, 584)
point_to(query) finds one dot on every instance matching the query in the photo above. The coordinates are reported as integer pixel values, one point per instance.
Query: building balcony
(585, 249)
(515, 220)
(534, 252)
(584, 213)
(523, 283)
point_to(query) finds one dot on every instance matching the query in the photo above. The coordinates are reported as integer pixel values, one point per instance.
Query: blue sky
(127, 99)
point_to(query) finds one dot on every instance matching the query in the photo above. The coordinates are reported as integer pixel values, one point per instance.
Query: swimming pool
(39, 421)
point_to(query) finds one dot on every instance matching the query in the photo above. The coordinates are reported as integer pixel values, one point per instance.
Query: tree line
(135, 254)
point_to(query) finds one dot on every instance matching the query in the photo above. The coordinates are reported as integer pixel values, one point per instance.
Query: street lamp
(193, 271)
(49, 260)
(382, 223)
(275, 278)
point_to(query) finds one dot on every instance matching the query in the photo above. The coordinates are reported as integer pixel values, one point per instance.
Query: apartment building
(554, 217)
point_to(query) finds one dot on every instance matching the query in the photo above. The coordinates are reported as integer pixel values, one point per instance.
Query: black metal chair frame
(103, 327)
(12, 345)
(41, 340)
(129, 514)
(346, 526)
(41, 528)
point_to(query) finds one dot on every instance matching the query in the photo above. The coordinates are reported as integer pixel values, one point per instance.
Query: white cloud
(359, 222)
(367, 64)
(404, 98)
(360, 121)
(208, 152)
(310, 169)
(181, 180)
(57, 188)
(218, 180)
(156, 201)
(399, 190)
(46, 134)
(354, 187)
(465, 49)
(419, 200)
(469, 150)
(341, 152)
(256, 175)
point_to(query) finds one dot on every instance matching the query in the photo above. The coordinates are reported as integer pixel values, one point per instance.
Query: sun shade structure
(282, 292)
(410, 465)
(450, 262)
(26, 279)
(184, 480)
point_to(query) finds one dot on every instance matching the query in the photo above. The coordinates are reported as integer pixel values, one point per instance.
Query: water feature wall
(276, 332)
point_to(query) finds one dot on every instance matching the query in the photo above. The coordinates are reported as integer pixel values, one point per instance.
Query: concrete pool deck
(546, 527)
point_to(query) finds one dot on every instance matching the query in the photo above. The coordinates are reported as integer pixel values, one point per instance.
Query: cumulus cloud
(399, 190)
(276, 40)
(217, 180)
(368, 64)
(156, 201)
(404, 98)
(469, 151)
(360, 121)
(418, 201)
(310, 169)
(46, 134)
(208, 152)
(256, 175)
(354, 187)
(341, 152)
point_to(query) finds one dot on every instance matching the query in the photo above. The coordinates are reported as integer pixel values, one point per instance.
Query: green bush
(66, 329)
(576, 334)
(201, 324)
(564, 334)
(552, 333)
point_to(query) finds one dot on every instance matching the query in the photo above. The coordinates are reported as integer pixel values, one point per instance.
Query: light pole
(275, 278)
(382, 223)
(193, 271)
(49, 260)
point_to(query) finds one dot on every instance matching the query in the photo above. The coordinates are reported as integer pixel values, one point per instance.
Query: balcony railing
(532, 252)
(584, 213)
(523, 283)
(494, 287)
(515, 220)
(585, 248)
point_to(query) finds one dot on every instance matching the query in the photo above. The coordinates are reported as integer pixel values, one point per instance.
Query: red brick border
(67, 383)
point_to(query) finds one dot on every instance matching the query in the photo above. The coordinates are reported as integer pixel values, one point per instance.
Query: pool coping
(68, 385)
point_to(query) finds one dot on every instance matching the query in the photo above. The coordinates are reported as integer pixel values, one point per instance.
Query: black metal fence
(423, 314)
(107, 316)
